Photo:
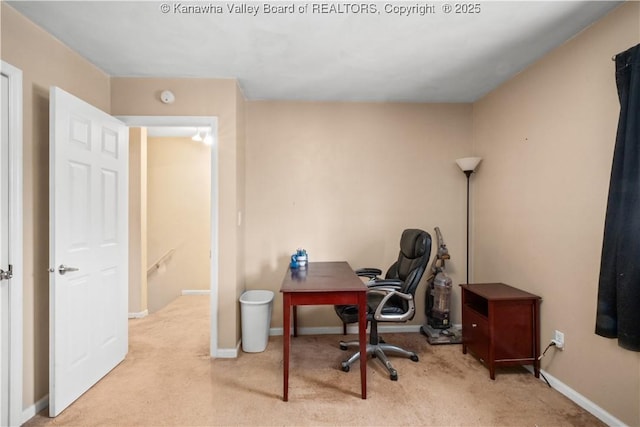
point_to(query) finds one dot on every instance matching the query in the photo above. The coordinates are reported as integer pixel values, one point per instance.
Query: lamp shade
(468, 163)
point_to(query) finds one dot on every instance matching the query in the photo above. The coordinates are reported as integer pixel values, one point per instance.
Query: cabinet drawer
(475, 333)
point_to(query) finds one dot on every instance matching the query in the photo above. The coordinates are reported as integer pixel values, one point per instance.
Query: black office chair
(391, 299)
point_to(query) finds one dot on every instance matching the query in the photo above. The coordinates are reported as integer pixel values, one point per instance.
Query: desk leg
(286, 340)
(362, 336)
(295, 320)
(536, 342)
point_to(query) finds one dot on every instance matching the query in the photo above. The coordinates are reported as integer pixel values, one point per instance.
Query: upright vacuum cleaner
(437, 326)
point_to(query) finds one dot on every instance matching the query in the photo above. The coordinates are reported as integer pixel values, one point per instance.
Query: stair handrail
(156, 265)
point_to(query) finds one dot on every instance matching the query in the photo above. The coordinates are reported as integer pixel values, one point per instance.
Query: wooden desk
(501, 325)
(323, 283)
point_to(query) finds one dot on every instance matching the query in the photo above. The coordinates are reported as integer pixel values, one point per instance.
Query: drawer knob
(474, 325)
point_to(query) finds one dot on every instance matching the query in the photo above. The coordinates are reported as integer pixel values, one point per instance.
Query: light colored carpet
(168, 379)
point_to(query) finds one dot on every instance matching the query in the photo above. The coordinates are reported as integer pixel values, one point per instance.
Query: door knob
(63, 269)
(6, 275)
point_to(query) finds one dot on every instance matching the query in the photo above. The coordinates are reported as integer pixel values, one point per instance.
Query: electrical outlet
(558, 339)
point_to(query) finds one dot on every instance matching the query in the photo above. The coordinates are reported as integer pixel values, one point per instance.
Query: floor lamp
(468, 166)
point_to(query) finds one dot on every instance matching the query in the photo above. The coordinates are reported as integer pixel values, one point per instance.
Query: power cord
(551, 344)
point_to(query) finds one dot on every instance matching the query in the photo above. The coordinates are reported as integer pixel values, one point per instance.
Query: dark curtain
(618, 313)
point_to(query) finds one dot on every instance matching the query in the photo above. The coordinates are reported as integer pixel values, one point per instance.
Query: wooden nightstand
(500, 325)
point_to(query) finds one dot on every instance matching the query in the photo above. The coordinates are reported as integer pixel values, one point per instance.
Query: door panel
(4, 255)
(88, 209)
(11, 246)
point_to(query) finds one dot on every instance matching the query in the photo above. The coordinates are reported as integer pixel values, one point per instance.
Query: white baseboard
(139, 315)
(196, 292)
(580, 400)
(34, 409)
(228, 353)
(351, 329)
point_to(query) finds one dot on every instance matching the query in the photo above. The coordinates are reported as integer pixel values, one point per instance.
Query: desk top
(322, 277)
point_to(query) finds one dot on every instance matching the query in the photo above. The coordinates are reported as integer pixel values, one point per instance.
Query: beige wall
(547, 140)
(241, 172)
(343, 180)
(138, 301)
(203, 97)
(178, 218)
(44, 62)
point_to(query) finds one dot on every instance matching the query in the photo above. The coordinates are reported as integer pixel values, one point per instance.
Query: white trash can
(255, 312)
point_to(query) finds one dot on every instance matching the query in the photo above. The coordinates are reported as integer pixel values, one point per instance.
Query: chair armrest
(394, 284)
(368, 272)
(389, 292)
(386, 291)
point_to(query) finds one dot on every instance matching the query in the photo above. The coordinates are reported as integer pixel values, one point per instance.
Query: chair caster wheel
(394, 376)
(345, 368)
(343, 347)
(414, 357)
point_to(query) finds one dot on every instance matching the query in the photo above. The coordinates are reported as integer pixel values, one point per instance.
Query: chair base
(380, 352)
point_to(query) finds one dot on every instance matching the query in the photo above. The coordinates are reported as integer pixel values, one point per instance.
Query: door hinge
(6, 275)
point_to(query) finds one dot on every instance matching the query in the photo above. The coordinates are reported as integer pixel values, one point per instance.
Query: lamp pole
(468, 166)
(468, 174)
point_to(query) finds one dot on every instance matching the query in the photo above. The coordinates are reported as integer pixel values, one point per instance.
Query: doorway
(178, 213)
(197, 122)
(11, 262)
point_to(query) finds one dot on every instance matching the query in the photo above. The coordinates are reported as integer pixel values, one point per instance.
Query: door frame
(15, 373)
(197, 121)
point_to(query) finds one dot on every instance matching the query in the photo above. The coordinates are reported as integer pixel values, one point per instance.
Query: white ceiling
(437, 57)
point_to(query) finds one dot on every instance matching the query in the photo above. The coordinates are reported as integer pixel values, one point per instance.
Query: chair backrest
(415, 249)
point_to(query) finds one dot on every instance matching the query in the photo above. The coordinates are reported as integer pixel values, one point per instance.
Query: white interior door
(11, 246)
(88, 247)
(4, 252)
